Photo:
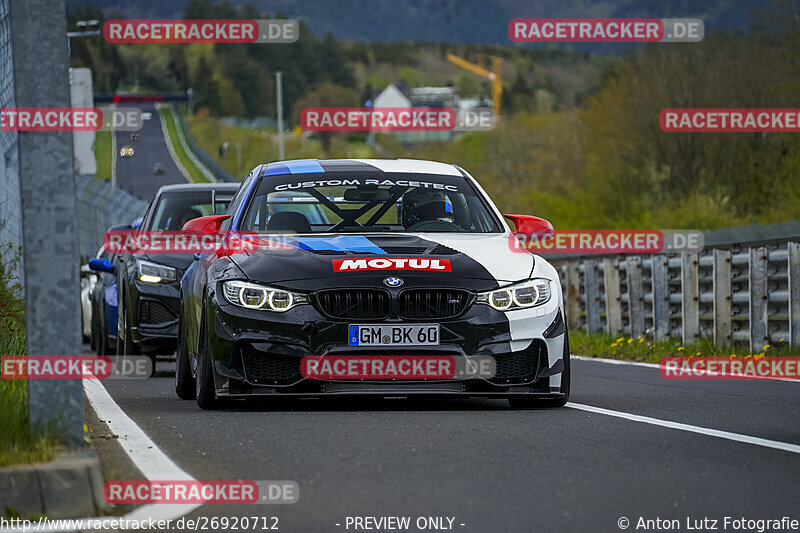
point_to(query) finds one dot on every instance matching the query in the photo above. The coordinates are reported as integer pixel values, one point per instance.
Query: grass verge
(103, 154)
(17, 444)
(180, 152)
(648, 351)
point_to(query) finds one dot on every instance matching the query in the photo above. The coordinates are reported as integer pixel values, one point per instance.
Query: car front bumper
(258, 352)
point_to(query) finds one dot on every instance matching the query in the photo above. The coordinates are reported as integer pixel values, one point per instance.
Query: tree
(326, 95)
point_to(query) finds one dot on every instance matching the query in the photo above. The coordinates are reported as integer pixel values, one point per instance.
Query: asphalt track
(135, 174)
(492, 468)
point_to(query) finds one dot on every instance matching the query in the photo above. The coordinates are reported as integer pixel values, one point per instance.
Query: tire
(184, 383)
(205, 393)
(126, 346)
(102, 346)
(531, 403)
(94, 335)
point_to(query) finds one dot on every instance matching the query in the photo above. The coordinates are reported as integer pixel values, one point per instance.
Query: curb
(69, 486)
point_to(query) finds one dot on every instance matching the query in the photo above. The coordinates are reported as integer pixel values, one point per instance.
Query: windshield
(177, 208)
(351, 203)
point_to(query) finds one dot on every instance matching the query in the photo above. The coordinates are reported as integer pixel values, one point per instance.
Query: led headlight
(155, 273)
(254, 296)
(520, 296)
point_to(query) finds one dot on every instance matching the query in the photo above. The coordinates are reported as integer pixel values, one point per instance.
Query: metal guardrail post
(794, 293)
(613, 304)
(660, 283)
(690, 298)
(635, 295)
(573, 304)
(591, 287)
(723, 332)
(759, 333)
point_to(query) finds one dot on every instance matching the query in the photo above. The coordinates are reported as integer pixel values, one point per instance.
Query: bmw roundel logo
(393, 281)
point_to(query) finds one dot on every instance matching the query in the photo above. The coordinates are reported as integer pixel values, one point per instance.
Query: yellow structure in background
(492, 75)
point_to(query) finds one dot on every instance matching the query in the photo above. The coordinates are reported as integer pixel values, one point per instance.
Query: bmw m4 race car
(382, 259)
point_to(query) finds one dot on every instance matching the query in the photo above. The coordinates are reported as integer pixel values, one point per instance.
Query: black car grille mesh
(522, 365)
(154, 313)
(354, 303)
(422, 304)
(270, 368)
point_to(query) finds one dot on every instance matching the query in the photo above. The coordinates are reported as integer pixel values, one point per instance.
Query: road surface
(492, 468)
(135, 174)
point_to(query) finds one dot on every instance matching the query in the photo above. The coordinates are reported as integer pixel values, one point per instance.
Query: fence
(748, 292)
(100, 206)
(10, 205)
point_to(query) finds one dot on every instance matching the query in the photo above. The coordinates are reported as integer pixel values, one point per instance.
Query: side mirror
(137, 223)
(205, 225)
(530, 225)
(101, 265)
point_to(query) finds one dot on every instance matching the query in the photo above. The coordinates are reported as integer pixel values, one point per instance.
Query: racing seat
(289, 221)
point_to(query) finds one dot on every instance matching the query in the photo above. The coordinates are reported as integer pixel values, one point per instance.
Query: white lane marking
(737, 437)
(142, 451)
(653, 365)
(170, 148)
(612, 361)
(181, 139)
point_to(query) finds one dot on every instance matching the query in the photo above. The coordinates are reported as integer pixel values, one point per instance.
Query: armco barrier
(748, 291)
(202, 155)
(100, 206)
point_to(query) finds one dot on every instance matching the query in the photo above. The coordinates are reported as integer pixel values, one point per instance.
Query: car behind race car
(411, 259)
(147, 283)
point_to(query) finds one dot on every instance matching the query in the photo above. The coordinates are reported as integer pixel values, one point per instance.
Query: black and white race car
(377, 262)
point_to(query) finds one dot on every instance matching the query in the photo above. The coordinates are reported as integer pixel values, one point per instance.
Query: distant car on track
(408, 258)
(126, 151)
(147, 116)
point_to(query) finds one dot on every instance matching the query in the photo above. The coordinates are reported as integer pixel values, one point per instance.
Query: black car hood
(474, 261)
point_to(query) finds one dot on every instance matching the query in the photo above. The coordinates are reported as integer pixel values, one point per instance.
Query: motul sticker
(391, 263)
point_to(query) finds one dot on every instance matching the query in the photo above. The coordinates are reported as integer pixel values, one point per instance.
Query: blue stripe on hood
(345, 243)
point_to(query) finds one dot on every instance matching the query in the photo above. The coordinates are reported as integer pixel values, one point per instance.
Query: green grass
(103, 154)
(17, 445)
(172, 131)
(648, 351)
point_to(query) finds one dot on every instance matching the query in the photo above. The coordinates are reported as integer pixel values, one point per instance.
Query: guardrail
(201, 154)
(735, 293)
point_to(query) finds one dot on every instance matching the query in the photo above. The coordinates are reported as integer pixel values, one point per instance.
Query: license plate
(406, 335)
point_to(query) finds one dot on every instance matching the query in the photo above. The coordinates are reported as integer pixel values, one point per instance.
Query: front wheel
(529, 403)
(184, 384)
(204, 381)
